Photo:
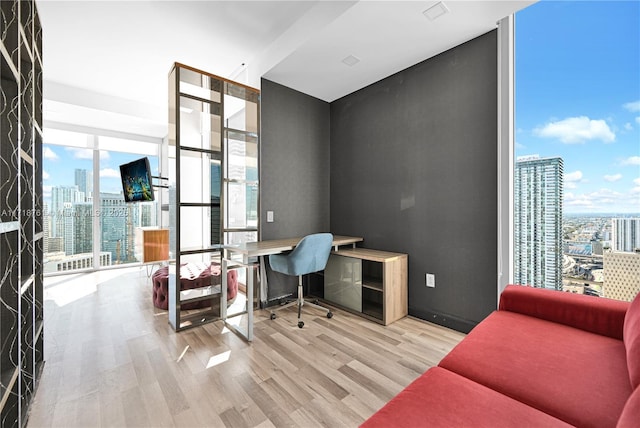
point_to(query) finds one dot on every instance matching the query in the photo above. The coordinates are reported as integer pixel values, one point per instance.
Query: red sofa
(543, 359)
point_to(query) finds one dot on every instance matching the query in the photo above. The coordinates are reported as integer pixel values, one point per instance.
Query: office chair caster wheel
(300, 324)
(329, 315)
(272, 316)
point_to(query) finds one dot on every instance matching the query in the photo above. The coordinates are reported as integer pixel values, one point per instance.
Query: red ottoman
(192, 275)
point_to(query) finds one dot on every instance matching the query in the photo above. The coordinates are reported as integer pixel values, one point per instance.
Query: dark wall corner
(294, 162)
(414, 170)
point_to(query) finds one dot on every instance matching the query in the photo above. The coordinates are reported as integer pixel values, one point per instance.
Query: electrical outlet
(431, 280)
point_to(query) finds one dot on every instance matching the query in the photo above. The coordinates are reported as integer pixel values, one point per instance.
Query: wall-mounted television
(136, 181)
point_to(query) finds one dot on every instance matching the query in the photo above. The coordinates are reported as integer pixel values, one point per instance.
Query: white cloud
(577, 200)
(80, 153)
(613, 178)
(575, 130)
(86, 153)
(636, 190)
(45, 175)
(571, 179)
(109, 173)
(638, 120)
(602, 198)
(633, 160)
(632, 106)
(628, 126)
(49, 154)
(46, 191)
(573, 176)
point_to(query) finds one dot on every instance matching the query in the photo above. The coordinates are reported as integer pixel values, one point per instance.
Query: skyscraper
(625, 234)
(538, 185)
(62, 197)
(84, 181)
(118, 221)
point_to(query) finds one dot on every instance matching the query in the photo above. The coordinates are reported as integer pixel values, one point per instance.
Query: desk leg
(250, 274)
(264, 286)
(249, 298)
(223, 292)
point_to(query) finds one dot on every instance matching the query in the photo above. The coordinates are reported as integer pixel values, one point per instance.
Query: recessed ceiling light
(351, 60)
(436, 11)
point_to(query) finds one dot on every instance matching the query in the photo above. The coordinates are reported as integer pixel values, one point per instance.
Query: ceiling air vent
(435, 11)
(351, 60)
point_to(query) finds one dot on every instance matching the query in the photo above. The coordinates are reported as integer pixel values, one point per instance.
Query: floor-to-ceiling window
(577, 146)
(87, 222)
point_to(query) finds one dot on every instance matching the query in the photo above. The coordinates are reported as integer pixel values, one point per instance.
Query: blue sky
(60, 162)
(578, 97)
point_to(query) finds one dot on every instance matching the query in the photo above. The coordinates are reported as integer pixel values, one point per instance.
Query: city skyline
(578, 98)
(61, 162)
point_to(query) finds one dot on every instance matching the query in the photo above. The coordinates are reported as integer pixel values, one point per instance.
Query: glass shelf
(213, 150)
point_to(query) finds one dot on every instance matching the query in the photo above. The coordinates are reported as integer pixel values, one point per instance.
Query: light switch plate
(269, 216)
(431, 280)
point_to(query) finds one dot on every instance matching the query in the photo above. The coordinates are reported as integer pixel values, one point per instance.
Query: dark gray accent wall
(414, 170)
(294, 169)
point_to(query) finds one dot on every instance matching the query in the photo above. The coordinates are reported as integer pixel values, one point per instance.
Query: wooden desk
(239, 257)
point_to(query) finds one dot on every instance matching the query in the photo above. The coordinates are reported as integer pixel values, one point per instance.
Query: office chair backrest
(310, 255)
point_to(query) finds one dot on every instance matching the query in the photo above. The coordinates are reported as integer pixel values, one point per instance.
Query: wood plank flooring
(112, 360)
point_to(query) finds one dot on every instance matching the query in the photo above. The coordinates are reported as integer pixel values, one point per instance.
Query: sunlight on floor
(65, 289)
(218, 359)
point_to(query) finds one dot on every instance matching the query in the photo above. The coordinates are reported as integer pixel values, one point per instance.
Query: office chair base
(300, 302)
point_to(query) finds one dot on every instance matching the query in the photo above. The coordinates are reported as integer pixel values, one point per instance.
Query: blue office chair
(309, 256)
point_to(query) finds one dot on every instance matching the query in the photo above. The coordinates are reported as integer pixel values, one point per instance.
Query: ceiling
(106, 63)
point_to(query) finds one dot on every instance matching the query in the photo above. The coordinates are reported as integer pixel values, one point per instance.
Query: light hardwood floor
(113, 360)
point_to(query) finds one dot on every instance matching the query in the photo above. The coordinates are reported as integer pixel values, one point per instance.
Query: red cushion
(440, 398)
(192, 275)
(571, 374)
(594, 314)
(630, 417)
(632, 341)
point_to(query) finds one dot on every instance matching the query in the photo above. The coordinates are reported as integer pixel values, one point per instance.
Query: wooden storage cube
(151, 244)
(343, 282)
(379, 278)
(373, 303)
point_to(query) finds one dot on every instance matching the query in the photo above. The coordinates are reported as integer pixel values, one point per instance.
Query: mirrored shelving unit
(21, 210)
(212, 154)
